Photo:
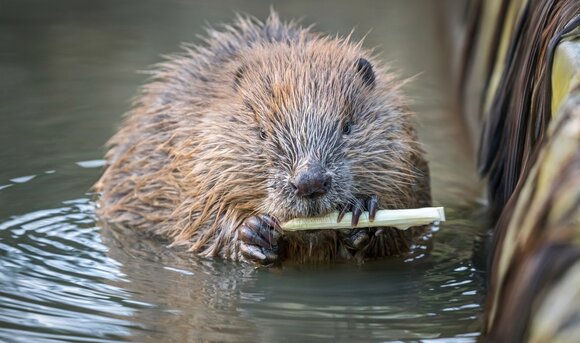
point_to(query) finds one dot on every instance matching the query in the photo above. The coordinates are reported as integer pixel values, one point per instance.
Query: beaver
(264, 122)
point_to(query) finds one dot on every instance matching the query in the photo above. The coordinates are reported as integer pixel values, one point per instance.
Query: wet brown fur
(189, 163)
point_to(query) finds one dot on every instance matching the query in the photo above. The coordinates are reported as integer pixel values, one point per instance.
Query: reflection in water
(68, 68)
(225, 301)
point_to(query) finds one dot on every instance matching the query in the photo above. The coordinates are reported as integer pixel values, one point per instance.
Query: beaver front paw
(260, 236)
(357, 240)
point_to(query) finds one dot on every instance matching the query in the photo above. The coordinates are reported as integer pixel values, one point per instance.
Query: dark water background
(67, 73)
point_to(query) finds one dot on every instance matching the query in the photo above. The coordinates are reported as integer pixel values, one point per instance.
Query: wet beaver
(264, 123)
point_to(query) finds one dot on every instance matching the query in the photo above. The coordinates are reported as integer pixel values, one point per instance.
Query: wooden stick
(400, 219)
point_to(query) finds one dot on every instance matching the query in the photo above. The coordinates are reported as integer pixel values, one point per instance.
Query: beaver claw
(371, 205)
(359, 239)
(259, 237)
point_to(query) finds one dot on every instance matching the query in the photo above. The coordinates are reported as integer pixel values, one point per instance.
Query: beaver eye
(347, 128)
(263, 134)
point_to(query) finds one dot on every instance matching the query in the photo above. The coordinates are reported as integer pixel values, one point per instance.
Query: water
(67, 72)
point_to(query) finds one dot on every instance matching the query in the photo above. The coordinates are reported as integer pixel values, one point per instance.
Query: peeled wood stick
(400, 219)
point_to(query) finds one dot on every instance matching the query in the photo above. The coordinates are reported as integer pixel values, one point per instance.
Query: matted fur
(219, 131)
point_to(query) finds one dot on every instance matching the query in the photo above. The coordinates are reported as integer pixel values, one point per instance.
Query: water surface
(68, 71)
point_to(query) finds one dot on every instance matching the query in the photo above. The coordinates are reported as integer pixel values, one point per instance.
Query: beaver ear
(238, 77)
(365, 70)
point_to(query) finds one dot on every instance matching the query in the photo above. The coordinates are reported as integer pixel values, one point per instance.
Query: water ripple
(65, 278)
(55, 275)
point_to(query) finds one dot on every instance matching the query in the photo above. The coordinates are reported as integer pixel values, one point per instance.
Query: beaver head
(323, 125)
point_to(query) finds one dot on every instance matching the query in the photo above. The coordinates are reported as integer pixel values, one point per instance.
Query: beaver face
(325, 129)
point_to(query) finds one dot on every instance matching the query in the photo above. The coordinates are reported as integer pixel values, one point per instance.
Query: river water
(68, 72)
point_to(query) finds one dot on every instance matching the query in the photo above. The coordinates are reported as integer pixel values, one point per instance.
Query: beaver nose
(311, 182)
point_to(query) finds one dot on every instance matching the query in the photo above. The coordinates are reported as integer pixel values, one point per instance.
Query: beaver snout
(311, 182)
